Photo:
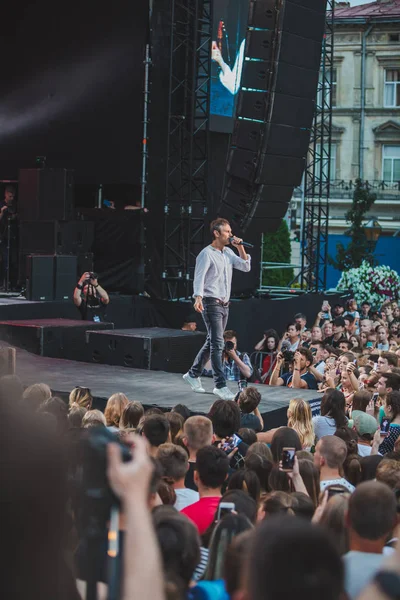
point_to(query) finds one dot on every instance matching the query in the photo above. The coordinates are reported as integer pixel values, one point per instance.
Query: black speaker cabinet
(56, 237)
(39, 277)
(45, 194)
(65, 279)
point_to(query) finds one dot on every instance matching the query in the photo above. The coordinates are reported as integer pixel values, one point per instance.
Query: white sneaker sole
(199, 390)
(222, 396)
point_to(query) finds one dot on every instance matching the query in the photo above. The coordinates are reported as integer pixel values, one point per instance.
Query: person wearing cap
(338, 333)
(365, 427)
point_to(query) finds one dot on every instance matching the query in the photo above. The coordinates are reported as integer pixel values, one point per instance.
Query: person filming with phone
(236, 365)
(91, 298)
(299, 376)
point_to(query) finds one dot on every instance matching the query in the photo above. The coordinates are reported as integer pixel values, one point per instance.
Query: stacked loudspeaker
(275, 110)
(54, 248)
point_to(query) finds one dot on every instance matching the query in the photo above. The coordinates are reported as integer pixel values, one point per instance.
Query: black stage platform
(152, 388)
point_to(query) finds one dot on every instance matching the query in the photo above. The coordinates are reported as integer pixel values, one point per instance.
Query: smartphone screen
(224, 508)
(375, 397)
(385, 427)
(288, 455)
(229, 446)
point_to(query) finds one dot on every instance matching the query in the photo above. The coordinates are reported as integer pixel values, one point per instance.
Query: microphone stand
(8, 253)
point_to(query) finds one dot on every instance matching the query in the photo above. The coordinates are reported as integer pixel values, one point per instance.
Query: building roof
(382, 9)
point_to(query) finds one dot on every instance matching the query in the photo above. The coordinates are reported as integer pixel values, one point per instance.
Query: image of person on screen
(229, 77)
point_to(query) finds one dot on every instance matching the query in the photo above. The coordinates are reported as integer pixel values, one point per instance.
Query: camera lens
(229, 345)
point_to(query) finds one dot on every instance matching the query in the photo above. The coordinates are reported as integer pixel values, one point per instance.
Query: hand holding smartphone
(225, 508)
(287, 459)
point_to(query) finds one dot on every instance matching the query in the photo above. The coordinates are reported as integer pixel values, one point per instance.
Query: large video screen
(229, 29)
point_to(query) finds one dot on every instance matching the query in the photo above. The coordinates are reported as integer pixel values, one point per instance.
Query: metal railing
(339, 188)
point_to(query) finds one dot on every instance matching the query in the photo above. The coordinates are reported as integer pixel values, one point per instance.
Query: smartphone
(375, 397)
(224, 508)
(242, 384)
(229, 446)
(333, 491)
(288, 455)
(385, 427)
(369, 345)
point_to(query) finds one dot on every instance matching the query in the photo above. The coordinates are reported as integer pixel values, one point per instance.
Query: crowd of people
(216, 506)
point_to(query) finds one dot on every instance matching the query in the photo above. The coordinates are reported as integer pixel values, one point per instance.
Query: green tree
(358, 248)
(276, 248)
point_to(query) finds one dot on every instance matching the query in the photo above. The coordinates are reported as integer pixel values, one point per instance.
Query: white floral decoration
(371, 284)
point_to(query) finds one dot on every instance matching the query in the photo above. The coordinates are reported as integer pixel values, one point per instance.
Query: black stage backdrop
(71, 81)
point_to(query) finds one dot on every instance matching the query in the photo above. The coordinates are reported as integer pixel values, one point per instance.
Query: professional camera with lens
(288, 356)
(229, 345)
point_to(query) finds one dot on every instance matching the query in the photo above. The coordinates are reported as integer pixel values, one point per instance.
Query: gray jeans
(215, 318)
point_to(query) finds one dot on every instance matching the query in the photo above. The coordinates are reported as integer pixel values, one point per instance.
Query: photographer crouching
(236, 365)
(299, 375)
(91, 298)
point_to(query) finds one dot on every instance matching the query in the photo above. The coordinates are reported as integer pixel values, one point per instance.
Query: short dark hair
(338, 322)
(348, 343)
(229, 334)
(361, 400)
(174, 462)
(349, 318)
(392, 380)
(225, 417)
(182, 410)
(249, 399)
(308, 355)
(294, 324)
(156, 429)
(217, 224)
(372, 510)
(300, 316)
(212, 466)
(310, 552)
(391, 357)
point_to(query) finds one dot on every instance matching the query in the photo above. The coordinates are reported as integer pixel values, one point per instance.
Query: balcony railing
(345, 189)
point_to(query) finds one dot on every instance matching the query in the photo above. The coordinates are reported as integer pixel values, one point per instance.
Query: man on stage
(211, 291)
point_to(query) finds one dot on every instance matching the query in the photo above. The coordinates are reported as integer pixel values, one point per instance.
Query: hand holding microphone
(235, 241)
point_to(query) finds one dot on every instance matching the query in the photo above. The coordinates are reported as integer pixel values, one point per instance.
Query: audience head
(388, 471)
(315, 567)
(302, 506)
(174, 462)
(183, 410)
(35, 395)
(58, 408)
(333, 405)
(175, 423)
(156, 429)
(131, 415)
(259, 448)
(310, 476)
(114, 409)
(361, 400)
(246, 480)
(300, 418)
(271, 341)
(372, 511)
(249, 399)
(330, 452)
(276, 503)
(179, 544)
(76, 415)
(392, 405)
(334, 520)
(261, 466)
(248, 436)
(93, 418)
(212, 465)
(198, 433)
(225, 418)
(369, 465)
(244, 503)
(82, 396)
(284, 437)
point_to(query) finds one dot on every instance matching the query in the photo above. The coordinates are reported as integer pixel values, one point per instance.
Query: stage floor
(149, 387)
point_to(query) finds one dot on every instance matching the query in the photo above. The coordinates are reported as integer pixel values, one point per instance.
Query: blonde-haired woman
(300, 419)
(82, 397)
(114, 409)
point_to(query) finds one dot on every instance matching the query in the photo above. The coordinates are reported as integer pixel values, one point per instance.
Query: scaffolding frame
(315, 214)
(186, 184)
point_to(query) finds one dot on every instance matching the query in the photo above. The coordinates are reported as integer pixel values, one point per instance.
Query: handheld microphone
(244, 244)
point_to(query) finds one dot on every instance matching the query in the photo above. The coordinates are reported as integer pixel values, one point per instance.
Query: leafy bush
(276, 248)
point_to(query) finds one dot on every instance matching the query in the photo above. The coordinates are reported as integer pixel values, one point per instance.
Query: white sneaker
(223, 393)
(194, 382)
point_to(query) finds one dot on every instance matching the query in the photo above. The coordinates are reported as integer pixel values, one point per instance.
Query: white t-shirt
(185, 497)
(338, 481)
(359, 569)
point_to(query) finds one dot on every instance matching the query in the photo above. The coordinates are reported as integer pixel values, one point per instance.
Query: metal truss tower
(314, 234)
(186, 182)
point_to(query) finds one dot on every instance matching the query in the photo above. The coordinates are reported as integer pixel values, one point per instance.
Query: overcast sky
(357, 2)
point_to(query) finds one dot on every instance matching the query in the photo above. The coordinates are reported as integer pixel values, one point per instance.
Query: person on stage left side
(8, 237)
(91, 298)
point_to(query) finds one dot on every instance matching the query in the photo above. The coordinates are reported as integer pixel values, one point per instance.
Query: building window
(391, 164)
(392, 88)
(324, 162)
(333, 88)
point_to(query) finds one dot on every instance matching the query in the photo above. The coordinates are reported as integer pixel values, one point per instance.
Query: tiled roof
(374, 10)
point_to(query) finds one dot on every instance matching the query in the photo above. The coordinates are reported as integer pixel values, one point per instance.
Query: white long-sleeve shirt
(213, 272)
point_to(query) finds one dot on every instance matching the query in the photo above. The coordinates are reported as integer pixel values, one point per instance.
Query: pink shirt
(202, 512)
